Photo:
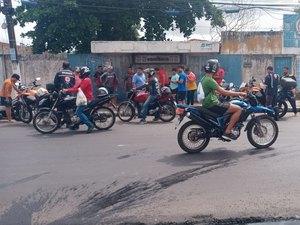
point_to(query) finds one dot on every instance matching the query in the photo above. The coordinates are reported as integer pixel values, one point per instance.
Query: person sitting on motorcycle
(154, 91)
(211, 102)
(87, 88)
(289, 94)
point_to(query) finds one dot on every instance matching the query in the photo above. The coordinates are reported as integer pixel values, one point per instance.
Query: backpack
(200, 93)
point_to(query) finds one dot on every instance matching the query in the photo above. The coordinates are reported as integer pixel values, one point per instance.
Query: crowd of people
(182, 83)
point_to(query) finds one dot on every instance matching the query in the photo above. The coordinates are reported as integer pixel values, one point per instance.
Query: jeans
(83, 117)
(290, 97)
(175, 91)
(150, 99)
(190, 97)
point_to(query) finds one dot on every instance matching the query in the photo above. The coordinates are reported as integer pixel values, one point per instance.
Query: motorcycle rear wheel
(263, 134)
(167, 112)
(192, 137)
(282, 108)
(25, 113)
(103, 118)
(46, 125)
(126, 112)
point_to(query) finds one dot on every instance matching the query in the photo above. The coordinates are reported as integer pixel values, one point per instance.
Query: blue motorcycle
(195, 134)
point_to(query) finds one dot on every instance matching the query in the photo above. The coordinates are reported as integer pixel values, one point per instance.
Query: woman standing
(191, 86)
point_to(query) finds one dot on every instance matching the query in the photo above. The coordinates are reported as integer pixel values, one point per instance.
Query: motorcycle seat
(207, 111)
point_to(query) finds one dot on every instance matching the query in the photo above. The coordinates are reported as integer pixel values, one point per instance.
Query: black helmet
(50, 87)
(211, 66)
(84, 72)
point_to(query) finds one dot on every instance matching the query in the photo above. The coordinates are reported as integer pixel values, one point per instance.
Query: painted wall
(251, 43)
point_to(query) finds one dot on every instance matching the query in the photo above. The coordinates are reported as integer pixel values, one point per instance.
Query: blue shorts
(6, 103)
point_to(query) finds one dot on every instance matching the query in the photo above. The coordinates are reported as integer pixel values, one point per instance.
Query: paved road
(137, 173)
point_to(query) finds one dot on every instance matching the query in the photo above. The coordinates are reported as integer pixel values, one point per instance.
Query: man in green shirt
(211, 102)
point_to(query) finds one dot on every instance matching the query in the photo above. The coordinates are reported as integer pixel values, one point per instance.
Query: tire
(167, 112)
(44, 125)
(103, 118)
(253, 132)
(126, 111)
(15, 111)
(282, 108)
(25, 113)
(184, 131)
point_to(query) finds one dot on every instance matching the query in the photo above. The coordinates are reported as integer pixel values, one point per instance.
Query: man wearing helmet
(154, 91)
(211, 102)
(87, 88)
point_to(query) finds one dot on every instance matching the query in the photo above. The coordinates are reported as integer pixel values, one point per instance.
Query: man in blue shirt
(139, 80)
(181, 85)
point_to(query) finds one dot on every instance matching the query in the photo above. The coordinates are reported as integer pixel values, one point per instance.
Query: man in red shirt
(87, 88)
(219, 76)
(162, 77)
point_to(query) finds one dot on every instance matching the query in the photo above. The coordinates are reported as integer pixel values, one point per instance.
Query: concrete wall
(251, 43)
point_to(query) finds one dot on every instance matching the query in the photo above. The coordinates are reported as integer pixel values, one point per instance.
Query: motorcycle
(195, 135)
(63, 108)
(23, 104)
(163, 106)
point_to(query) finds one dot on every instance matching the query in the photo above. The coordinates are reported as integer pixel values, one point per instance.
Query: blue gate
(280, 62)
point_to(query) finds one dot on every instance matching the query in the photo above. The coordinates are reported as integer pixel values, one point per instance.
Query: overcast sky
(268, 19)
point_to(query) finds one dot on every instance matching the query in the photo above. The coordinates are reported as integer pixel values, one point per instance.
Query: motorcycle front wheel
(126, 111)
(262, 131)
(167, 112)
(46, 122)
(103, 118)
(192, 137)
(25, 113)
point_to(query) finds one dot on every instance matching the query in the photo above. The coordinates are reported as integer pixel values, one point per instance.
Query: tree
(68, 25)
(237, 19)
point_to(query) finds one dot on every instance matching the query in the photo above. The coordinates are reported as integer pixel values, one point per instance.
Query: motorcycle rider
(154, 91)
(65, 78)
(271, 82)
(211, 102)
(87, 88)
(289, 94)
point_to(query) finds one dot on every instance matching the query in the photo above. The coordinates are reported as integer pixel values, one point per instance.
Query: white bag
(80, 99)
(200, 93)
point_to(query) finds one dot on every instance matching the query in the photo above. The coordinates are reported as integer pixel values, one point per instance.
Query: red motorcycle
(164, 106)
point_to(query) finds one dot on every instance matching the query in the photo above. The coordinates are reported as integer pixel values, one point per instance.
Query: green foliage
(70, 25)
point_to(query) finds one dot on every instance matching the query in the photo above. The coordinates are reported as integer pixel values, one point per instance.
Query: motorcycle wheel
(262, 134)
(282, 108)
(126, 112)
(15, 112)
(192, 137)
(103, 118)
(167, 112)
(46, 125)
(25, 113)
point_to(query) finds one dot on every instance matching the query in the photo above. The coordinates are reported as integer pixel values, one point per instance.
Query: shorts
(181, 95)
(6, 103)
(220, 108)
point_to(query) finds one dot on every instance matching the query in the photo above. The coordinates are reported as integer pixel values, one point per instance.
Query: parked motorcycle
(163, 106)
(63, 108)
(195, 135)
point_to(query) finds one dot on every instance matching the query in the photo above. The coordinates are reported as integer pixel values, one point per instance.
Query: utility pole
(9, 11)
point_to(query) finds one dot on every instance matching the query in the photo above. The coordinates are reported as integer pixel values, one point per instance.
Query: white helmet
(102, 91)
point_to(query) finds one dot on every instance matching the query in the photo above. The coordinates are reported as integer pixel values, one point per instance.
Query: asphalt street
(137, 173)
